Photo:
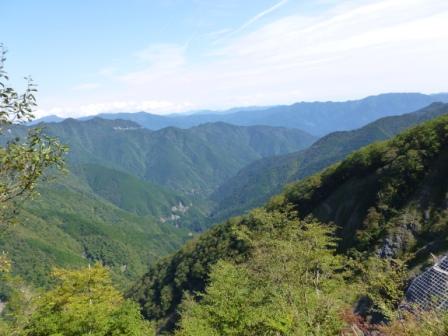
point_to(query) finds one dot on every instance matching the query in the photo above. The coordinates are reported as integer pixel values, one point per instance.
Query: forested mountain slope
(131, 195)
(317, 118)
(143, 198)
(389, 198)
(188, 161)
(387, 189)
(69, 225)
(254, 184)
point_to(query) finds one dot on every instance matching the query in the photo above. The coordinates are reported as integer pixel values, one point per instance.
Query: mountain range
(133, 195)
(189, 161)
(317, 118)
(255, 183)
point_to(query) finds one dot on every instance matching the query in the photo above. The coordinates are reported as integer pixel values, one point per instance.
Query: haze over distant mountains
(318, 118)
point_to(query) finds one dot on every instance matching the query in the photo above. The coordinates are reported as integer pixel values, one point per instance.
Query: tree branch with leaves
(23, 162)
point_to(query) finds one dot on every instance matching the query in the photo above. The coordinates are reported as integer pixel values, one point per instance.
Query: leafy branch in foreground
(22, 162)
(14, 107)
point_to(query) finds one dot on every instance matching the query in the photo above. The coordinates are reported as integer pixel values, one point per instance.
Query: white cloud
(153, 106)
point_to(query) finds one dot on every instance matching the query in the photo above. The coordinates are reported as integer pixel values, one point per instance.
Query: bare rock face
(391, 247)
(430, 289)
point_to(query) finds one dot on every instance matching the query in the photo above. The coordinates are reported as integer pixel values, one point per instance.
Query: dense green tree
(18, 298)
(385, 282)
(231, 306)
(84, 302)
(292, 284)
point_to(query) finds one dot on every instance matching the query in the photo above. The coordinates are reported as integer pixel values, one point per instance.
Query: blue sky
(163, 56)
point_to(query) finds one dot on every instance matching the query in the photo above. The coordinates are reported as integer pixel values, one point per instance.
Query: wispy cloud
(86, 86)
(260, 16)
(352, 49)
(163, 55)
(107, 71)
(226, 33)
(160, 61)
(218, 33)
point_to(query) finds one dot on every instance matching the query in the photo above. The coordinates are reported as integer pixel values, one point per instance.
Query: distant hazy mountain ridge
(318, 118)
